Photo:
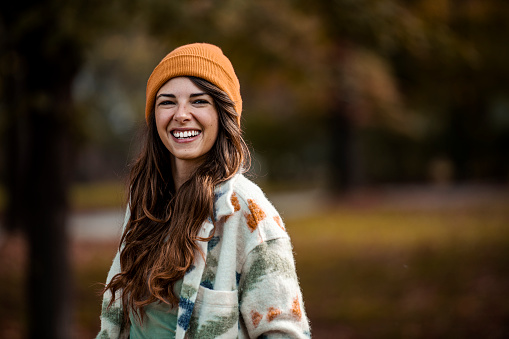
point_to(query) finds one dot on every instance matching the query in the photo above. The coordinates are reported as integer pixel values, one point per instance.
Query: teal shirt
(160, 320)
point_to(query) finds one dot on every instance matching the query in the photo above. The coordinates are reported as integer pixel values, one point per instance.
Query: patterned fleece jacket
(245, 287)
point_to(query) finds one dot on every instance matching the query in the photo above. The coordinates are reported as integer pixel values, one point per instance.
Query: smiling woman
(203, 254)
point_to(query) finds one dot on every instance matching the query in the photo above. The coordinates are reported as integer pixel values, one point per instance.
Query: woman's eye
(200, 102)
(166, 102)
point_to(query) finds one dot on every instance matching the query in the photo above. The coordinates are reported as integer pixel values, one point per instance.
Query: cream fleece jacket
(245, 287)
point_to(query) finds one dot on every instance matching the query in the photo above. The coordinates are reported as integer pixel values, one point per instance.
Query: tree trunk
(49, 278)
(345, 158)
(345, 161)
(38, 67)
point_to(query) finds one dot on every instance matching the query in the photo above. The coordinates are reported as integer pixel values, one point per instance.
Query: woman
(203, 254)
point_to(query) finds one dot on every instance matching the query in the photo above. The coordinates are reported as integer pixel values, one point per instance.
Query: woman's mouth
(181, 135)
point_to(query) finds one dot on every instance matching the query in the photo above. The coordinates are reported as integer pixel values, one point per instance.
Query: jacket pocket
(228, 299)
(215, 314)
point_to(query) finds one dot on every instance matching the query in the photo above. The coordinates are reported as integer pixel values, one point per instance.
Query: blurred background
(379, 129)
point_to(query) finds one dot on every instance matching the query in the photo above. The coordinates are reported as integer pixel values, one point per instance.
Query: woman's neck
(183, 169)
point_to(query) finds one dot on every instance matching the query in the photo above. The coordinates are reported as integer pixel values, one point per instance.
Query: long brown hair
(159, 242)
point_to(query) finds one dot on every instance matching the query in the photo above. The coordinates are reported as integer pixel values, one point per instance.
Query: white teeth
(185, 134)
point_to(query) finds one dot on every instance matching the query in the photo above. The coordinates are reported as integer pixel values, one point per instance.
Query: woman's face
(186, 120)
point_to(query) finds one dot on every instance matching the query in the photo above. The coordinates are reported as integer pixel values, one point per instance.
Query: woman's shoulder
(249, 207)
(246, 189)
(240, 194)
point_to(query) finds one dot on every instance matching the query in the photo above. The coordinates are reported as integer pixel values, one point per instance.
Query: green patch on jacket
(213, 328)
(187, 291)
(112, 314)
(268, 260)
(210, 269)
(103, 335)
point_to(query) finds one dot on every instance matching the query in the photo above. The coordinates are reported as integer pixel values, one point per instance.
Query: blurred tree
(468, 85)
(38, 63)
(41, 50)
(109, 93)
(384, 73)
(362, 38)
(373, 83)
(298, 61)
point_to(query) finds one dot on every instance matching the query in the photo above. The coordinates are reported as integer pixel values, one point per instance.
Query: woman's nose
(182, 114)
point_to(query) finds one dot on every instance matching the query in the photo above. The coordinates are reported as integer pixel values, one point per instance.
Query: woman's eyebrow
(165, 95)
(173, 96)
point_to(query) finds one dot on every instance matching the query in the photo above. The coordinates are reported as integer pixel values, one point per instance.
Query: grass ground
(412, 274)
(367, 272)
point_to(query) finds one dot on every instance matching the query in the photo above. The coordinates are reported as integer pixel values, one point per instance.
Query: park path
(107, 224)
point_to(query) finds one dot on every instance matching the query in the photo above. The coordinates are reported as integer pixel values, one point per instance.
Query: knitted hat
(201, 60)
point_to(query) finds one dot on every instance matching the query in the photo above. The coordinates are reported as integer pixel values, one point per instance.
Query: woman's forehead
(179, 86)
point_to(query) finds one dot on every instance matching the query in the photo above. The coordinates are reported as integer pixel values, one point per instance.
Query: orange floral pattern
(296, 311)
(256, 215)
(273, 313)
(256, 318)
(278, 221)
(235, 202)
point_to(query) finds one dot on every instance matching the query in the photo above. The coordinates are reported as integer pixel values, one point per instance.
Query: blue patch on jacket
(207, 284)
(217, 195)
(213, 242)
(187, 305)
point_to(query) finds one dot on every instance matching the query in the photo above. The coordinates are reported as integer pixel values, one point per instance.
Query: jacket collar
(222, 198)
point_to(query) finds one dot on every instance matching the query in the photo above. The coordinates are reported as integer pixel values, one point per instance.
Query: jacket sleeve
(112, 316)
(270, 298)
(113, 325)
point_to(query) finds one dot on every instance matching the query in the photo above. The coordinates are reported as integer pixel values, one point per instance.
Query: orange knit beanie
(201, 60)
